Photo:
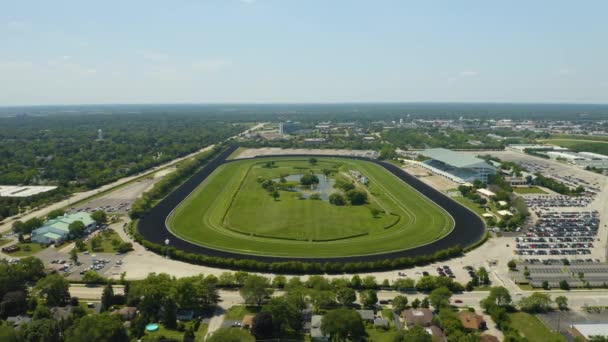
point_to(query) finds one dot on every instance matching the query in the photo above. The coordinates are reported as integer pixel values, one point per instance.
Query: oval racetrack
(468, 227)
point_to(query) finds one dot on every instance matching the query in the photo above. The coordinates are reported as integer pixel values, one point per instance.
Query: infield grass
(231, 211)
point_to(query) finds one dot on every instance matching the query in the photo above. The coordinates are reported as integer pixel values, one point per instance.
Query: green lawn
(106, 243)
(231, 211)
(533, 329)
(580, 145)
(28, 249)
(470, 204)
(528, 190)
(4, 241)
(379, 335)
(179, 335)
(237, 312)
(236, 153)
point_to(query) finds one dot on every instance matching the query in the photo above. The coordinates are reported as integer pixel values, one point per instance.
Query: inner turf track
(467, 229)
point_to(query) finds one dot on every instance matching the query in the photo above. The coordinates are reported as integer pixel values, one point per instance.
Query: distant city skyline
(273, 51)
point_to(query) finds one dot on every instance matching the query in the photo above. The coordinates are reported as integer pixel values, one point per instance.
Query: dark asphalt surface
(468, 229)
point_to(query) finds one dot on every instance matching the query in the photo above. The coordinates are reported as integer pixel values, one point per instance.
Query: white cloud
(468, 73)
(211, 65)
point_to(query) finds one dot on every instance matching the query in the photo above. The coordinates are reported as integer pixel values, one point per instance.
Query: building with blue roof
(58, 229)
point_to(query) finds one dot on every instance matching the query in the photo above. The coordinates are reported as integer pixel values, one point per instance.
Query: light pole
(166, 248)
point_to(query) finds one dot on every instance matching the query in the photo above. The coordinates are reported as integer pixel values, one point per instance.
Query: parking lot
(106, 264)
(584, 272)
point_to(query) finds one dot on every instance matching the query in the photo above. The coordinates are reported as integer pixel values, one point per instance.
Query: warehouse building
(458, 167)
(58, 229)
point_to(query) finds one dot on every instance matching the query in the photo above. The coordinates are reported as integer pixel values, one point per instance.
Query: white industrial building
(58, 229)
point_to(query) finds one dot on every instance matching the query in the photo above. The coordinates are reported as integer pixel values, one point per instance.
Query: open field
(528, 190)
(230, 211)
(532, 328)
(580, 145)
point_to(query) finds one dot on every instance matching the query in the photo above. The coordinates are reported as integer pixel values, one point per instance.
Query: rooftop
(456, 159)
(599, 329)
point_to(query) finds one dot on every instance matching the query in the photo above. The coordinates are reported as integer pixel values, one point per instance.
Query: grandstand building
(458, 167)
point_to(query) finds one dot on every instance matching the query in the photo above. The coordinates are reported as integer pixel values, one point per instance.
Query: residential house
(420, 316)
(366, 315)
(247, 321)
(471, 320)
(17, 321)
(315, 329)
(127, 313)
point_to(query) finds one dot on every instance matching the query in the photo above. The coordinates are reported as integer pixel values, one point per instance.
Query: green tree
(99, 216)
(309, 179)
(337, 199)
(399, 303)
(74, 255)
(563, 285)
(169, 313)
(107, 297)
(262, 326)
(512, 265)
(346, 296)
(91, 277)
(414, 334)
(498, 296)
(536, 302)
(255, 289)
(76, 229)
(312, 161)
(54, 288)
(55, 213)
(341, 324)
(562, 303)
(43, 330)
(375, 212)
(279, 281)
(416, 303)
(189, 335)
(276, 195)
(8, 334)
(96, 243)
(80, 245)
(231, 335)
(284, 315)
(425, 303)
(369, 298)
(440, 298)
(356, 197)
(98, 328)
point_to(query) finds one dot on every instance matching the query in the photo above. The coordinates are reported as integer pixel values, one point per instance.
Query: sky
(304, 51)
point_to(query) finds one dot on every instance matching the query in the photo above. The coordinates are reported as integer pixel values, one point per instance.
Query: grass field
(533, 329)
(106, 242)
(28, 248)
(528, 190)
(231, 211)
(580, 145)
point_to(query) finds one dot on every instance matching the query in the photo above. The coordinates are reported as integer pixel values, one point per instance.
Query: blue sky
(130, 51)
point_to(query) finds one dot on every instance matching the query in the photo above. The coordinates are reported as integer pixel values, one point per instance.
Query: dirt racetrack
(468, 229)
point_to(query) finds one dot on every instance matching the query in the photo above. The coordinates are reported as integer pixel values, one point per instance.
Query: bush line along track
(468, 227)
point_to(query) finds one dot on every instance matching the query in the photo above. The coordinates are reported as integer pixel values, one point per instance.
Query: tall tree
(263, 326)
(346, 296)
(414, 334)
(440, 298)
(169, 313)
(107, 297)
(98, 328)
(54, 288)
(343, 323)
(255, 289)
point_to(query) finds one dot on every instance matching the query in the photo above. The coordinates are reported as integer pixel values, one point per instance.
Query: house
(471, 320)
(57, 230)
(366, 315)
(436, 333)
(247, 321)
(127, 313)
(419, 316)
(315, 329)
(380, 323)
(17, 321)
(504, 213)
(59, 313)
(502, 203)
